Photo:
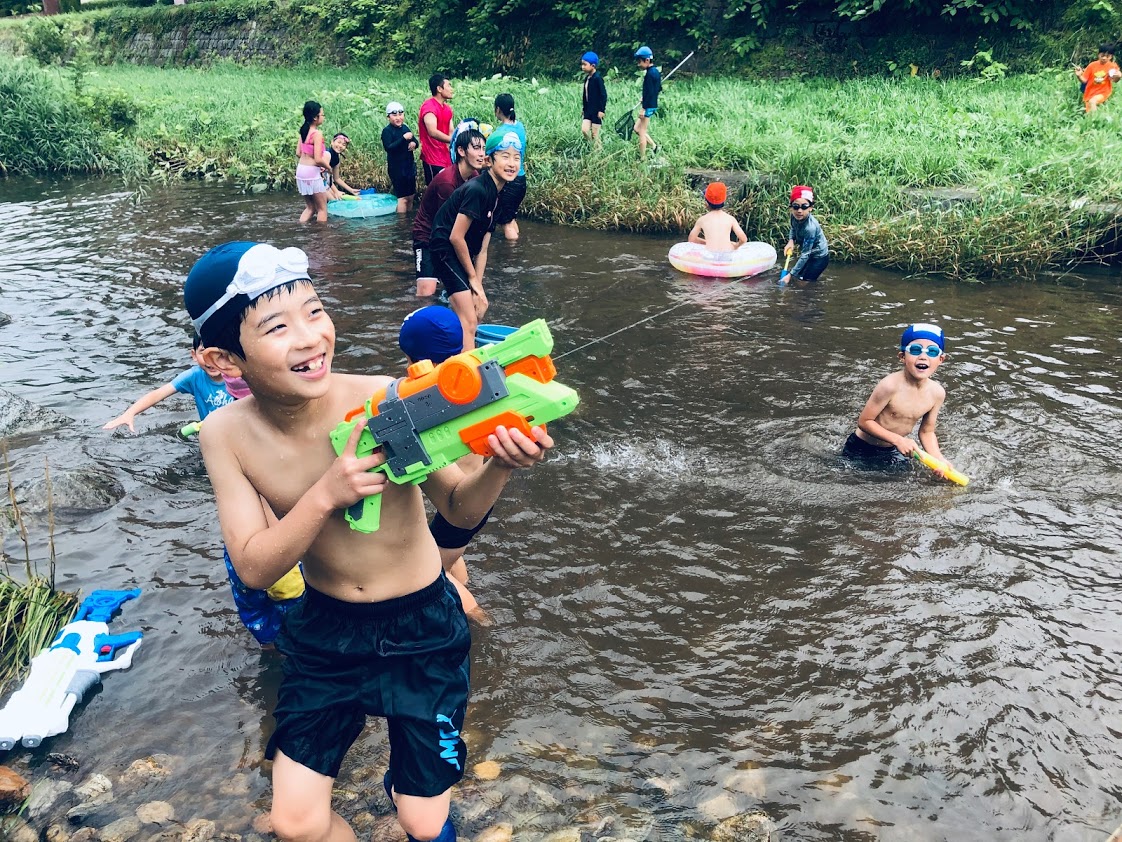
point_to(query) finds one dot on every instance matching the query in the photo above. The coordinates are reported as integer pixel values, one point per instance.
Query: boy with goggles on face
(900, 401)
(806, 233)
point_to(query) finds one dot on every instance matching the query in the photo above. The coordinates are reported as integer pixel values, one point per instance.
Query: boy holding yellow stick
(899, 402)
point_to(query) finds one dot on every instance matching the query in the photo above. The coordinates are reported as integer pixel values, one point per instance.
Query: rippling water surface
(699, 612)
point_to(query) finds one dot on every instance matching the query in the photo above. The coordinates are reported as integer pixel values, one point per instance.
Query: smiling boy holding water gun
(381, 631)
(899, 402)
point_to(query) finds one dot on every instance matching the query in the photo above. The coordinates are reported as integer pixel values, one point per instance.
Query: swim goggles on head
(263, 267)
(508, 141)
(915, 350)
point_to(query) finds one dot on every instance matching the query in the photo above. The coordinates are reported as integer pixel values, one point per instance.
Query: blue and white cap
(232, 270)
(644, 52)
(503, 140)
(922, 330)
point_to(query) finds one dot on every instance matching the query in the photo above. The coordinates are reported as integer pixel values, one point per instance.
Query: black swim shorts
(450, 273)
(423, 255)
(404, 185)
(449, 537)
(871, 457)
(405, 659)
(593, 117)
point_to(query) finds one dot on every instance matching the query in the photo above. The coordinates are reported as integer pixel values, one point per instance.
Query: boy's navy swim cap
(224, 281)
(644, 52)
(431, 333)
(922, 330)
(590, 57)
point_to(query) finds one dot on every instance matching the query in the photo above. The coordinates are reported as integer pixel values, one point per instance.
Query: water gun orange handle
(929, 461)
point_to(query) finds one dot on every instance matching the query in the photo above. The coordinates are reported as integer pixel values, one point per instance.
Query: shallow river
(698, 611)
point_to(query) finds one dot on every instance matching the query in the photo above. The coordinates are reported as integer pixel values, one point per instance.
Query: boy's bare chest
(283, 469)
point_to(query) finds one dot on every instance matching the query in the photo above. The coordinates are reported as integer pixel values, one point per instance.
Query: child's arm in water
(464, 499)
(263, 553)
(869, 420)
(146, 402)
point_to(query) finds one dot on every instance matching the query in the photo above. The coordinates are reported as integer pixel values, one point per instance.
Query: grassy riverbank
(863, 144)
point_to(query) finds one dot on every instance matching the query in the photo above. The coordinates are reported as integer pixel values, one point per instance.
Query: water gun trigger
(107, 646)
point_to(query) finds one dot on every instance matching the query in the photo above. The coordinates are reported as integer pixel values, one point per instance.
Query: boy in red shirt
(1098, 78)
(434, 127)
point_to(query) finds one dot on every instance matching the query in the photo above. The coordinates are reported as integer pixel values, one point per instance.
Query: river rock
(20, 417)
(235, 785)
(44, 795)
(56, 833)
(156, 812)
(5, 320)
(94, 786)
(501, 832)
(14, 788)
(199, 830)
(569, 834)
(94, 811)
(84, 834)
(263, 823)
(386, 829)
(15, 829)
(86, 489)
(488, 770)
(121, 830)
(747, 827)
(146, 769)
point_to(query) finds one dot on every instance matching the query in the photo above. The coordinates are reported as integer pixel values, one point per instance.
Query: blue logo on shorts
(449, 741)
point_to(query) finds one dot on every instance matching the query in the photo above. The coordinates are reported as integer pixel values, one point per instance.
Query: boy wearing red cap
(715, 229)
(806, 233)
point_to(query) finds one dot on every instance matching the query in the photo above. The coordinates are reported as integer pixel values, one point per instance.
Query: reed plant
(866, 145)
(32, 609)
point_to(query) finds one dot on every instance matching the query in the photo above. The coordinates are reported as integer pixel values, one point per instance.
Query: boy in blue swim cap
(900, 401)
(381, 631)
(594, 98)
(652, 87)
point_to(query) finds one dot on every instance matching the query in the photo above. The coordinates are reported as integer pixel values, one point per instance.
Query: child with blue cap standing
(900, 401)
(594, 100)
(652, 87)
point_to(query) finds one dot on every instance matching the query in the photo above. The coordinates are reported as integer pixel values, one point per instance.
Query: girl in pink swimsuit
(309, 175)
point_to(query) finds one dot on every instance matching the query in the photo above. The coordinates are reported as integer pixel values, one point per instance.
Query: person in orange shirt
(1098, 78)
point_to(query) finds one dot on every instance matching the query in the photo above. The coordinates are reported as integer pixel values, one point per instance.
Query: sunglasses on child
(915, 350)
(396, 112)
(797, 206)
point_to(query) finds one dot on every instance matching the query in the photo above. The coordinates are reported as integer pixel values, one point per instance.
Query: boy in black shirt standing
(461, 231)
(400, 143)
(595, 97)
(652, 86)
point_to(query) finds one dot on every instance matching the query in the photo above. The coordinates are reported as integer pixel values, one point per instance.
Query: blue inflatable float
(374, 204)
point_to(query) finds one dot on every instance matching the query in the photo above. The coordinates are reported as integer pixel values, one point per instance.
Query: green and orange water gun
(437, 413)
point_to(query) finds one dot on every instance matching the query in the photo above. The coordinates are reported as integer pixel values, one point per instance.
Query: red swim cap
(716, 193)
(802, 192)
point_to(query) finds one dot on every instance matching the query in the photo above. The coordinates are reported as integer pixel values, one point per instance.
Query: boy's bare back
(714, 230)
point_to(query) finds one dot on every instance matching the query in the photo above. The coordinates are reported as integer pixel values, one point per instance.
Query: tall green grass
(863, 145)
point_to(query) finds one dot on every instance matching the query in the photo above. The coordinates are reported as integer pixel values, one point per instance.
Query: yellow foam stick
(191, 429)
(289, 586)
(929, 461)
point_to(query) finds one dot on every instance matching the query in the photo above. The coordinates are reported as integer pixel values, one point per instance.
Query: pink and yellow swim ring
(749, 259)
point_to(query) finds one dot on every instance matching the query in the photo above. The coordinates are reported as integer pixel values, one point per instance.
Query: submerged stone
(747, 827)
(82, 490)
(14, 788)
(20, 417)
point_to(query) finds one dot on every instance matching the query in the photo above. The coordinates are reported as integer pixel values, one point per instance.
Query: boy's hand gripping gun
(435, 415)
(929, 461)
(63, 672)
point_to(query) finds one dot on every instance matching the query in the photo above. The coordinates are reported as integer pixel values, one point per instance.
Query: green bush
(111, 109)
(47, 40)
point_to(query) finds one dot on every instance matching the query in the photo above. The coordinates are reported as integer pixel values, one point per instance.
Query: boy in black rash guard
(462, 230)
(400, 143)
(594, 99)
(652, 87)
